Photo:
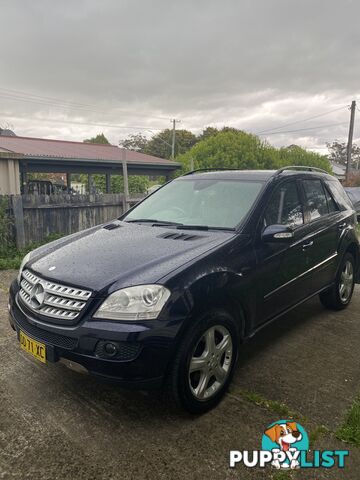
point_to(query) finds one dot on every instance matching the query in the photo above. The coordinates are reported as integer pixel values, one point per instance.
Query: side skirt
(271, 320)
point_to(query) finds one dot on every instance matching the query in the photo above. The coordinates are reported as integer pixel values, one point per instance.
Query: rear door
(323, 224)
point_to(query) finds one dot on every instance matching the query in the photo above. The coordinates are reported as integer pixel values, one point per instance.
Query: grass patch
(350, 430)
(279, 408)
(11, 257)
(318, 432)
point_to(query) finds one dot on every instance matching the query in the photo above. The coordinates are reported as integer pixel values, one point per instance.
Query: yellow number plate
(36, 349)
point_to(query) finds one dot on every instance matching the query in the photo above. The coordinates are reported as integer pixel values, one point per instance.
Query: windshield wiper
(203, 227)
(179, 226)
(156, 223)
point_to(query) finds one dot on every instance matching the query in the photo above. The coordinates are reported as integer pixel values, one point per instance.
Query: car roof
(251, 175)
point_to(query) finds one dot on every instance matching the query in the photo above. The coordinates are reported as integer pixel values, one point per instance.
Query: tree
(136, 142)
(100, 138)
(232, 148)
(338, 153)
(160, 144)
(295, 155)
(207, 132)
(137, 183)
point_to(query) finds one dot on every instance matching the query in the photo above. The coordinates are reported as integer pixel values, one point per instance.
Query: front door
(281, 266)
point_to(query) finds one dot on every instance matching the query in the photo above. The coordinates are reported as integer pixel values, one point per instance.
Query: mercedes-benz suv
(166, 294)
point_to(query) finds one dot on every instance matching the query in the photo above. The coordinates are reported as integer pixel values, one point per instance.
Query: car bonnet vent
(111, 226)
(185, 237)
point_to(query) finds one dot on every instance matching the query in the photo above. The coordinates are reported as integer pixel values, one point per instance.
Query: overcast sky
(71, 69)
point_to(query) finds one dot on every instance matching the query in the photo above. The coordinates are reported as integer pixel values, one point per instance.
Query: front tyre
(205, 362)
(339, 295)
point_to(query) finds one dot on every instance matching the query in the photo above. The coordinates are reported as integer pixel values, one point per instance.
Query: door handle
(307, 245)
(342, 226)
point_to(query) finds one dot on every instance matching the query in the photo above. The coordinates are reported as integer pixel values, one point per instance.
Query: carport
(59, 156)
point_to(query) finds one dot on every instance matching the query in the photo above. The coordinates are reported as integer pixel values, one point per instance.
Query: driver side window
(285, 207)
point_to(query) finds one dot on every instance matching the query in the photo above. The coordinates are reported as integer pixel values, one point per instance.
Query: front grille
(52, 299)
(55, 339)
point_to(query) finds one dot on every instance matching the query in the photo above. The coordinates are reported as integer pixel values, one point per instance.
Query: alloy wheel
(346, 281)
(210, 363)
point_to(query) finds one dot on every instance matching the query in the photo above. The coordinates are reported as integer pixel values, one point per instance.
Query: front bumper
(145, 349)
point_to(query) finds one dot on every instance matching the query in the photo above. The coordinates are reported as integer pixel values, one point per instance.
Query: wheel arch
(216, 290)
(353, 248)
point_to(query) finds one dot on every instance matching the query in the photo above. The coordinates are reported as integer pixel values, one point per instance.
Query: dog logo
(285, 444)
(285, 436)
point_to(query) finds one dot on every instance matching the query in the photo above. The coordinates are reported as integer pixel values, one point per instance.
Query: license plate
(36, 349)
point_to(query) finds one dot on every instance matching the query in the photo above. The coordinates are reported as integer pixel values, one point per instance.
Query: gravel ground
(55, 423)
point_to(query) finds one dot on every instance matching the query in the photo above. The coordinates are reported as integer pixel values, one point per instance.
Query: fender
(349, 243)
(221, 288)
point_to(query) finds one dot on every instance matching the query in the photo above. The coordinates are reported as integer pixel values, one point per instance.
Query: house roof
(31, 147)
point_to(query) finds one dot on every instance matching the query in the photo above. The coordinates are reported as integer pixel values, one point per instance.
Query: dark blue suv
(166, 294)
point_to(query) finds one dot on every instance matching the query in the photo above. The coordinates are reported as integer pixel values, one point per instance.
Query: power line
(20, 96)
(301, 121)
(108, 125)
(303, 129)
(11, 91)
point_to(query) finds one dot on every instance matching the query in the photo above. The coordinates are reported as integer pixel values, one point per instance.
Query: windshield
(199, 202)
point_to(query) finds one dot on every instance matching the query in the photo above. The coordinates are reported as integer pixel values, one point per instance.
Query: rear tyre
(205, 362)
(339, 295)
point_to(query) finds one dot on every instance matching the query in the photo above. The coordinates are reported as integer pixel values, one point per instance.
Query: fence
(35, 217)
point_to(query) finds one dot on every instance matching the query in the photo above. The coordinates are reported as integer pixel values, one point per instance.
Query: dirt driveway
(55, 423)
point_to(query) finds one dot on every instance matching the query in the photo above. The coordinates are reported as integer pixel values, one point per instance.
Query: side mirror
(277, 234)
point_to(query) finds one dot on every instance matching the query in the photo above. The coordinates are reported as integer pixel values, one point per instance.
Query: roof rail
(198, 170)
(300, 167)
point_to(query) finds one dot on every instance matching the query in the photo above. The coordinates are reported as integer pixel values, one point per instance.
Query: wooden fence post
(17, 208)
(126, 180)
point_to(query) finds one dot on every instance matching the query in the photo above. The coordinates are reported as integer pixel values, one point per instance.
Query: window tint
(315, 198)
(330, 201)
(340, 196)
(285, 207)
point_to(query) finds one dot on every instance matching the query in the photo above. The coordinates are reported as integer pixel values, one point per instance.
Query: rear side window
(330, 201)
(315, 198)
(285, 207)
(340, 195)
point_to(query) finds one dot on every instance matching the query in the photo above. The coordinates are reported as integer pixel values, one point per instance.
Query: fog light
(110, 349)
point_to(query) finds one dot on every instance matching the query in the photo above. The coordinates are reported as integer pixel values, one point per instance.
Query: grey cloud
(250, 63)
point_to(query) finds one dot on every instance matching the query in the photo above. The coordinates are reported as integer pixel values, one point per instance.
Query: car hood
(128, 254)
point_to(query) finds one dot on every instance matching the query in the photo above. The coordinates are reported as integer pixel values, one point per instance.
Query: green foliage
(137, 183)
(295, 155)
(274, 406)
(231, 148)
(350, 430)
(100, 138)
(5, 223)
(207, 132)
(11, 257)
(137, 143)
(160, 144)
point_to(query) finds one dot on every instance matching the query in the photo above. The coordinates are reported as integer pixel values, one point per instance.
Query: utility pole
(350, 139)
(173, 121)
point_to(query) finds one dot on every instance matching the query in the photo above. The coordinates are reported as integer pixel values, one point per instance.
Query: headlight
(23, 263)
(143, 302)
